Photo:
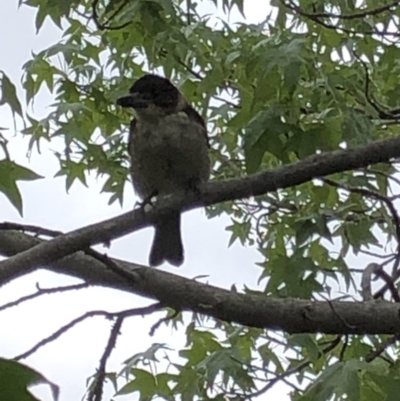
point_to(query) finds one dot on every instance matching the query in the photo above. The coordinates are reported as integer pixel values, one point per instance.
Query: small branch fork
(388, 115)
(43, 291)
(320, 18)
(96, 389)
(109, 315)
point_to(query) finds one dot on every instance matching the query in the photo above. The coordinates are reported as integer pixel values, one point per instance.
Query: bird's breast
(168, 155)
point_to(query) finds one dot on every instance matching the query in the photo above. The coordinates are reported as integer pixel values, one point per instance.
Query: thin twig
(43, 291)
(383, 114)
(104, 26)
(110, 264)
(389, 283)
(163, 320)
(109, 315)
(378, 351)
(30, 229)
(97, 391)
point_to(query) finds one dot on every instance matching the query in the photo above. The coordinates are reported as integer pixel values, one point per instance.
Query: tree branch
(287, 314)
(290, 315)
(214, 192)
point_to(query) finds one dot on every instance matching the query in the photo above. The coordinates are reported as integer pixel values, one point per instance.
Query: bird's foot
(148, 202)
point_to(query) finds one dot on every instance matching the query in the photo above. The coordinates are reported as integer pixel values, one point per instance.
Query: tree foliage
(312, 77)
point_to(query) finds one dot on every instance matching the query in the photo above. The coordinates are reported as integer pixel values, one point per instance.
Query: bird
(169, 151)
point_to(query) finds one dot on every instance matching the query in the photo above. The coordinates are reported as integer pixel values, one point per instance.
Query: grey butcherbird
(168, 146)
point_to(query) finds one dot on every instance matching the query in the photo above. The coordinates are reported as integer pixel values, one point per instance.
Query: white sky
(70, 360)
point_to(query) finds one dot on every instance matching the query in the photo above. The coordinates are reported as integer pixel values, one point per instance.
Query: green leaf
(42, 13)
(385, 382)
(144, 383)
(291, 76)
(10, 173)
(226, 362)
(342, 378)
(307, 343)
(73, 171)
(357, 128)
(240, 231)
(145, 357)
(16, 378)
(9, 94)
(359, 233)
(263, 135)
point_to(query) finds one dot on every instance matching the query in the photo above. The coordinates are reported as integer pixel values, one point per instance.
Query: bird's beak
(134, 100)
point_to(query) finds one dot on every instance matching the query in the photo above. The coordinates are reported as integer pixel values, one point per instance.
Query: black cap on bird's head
(151, 90)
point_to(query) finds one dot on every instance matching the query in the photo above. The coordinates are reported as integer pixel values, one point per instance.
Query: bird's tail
(167, 244)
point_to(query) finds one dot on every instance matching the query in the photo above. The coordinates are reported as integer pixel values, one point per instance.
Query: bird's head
(151, 96)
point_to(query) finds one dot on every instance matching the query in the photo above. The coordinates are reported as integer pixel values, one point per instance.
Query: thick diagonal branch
(290, 175)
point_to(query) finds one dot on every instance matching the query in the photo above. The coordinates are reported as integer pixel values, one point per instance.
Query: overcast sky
(75, 356)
